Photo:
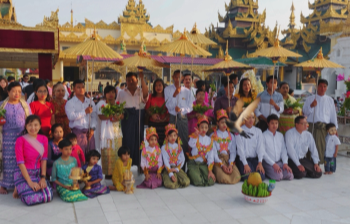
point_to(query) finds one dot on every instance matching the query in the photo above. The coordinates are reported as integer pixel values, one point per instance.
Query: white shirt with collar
(275, 148)
(250, 147)
(77, 117)
(182, 100)
(298, 144)
(131, 101)
(331, 142)
(193, 94)
(325, 110)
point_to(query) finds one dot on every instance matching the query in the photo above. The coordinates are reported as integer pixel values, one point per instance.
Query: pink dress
(29, 156)
(192, 123)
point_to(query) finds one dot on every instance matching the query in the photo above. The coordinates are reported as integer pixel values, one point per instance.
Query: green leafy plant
(201, 109)
(157, 110)
(2, 113)
(288, 104)
(213, 87)
(111, 110)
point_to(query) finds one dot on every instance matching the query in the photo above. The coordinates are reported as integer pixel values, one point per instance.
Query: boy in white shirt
(275, 158)
(332, 145)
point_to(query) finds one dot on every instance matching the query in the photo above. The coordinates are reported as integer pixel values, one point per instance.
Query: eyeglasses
(42, 92)
(303, 123)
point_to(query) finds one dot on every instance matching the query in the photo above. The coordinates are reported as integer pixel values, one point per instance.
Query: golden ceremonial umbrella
(275, 52)
(318, 64)
(142, 61)
(227, 66)
(199, 39)
(183, 46)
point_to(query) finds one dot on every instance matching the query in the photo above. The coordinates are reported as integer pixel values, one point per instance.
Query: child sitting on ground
(61, 170)
(224, 150)
(332, 145)
(122, 164)
(174, 159)
(77, 152)
(93, 187)
(151, 161)
(200, 164)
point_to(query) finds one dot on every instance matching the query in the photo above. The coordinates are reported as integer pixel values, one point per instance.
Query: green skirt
(70, 196)
(198, 174)
(182, 180)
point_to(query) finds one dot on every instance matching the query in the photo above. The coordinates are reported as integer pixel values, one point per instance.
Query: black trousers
(309, 169)
(252, 163)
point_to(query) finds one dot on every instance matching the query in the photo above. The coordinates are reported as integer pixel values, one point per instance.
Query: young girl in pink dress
(31, 155)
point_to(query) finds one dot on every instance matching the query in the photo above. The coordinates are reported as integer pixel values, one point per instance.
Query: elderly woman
(58, 108)
(17, 110)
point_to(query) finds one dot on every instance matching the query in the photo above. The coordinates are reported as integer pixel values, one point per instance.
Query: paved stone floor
(326, 200)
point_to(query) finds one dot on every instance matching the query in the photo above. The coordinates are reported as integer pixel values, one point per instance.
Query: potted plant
(2, 116)
(291, 108)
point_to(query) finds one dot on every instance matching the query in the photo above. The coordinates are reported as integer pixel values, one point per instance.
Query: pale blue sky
(180, 13)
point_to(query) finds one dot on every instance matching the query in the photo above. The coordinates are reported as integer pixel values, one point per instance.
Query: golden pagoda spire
(292, 17)
(346, 26)
(71, 17)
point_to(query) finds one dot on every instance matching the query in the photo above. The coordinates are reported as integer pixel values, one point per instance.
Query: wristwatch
(43, 176)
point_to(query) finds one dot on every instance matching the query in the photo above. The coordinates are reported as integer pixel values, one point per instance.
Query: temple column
(61, 71)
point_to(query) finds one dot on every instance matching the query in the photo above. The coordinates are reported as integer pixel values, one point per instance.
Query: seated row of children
(216, 158)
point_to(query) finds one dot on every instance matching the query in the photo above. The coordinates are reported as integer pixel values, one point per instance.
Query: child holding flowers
(110, 113)
(199, 108)
(151, 160)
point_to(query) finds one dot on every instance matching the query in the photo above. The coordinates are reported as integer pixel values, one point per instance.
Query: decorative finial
(320, 54)
(227, 56)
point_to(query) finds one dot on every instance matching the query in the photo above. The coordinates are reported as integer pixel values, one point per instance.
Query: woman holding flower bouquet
(157, 111)
(245, 92)
(200, 108)
(110, 113)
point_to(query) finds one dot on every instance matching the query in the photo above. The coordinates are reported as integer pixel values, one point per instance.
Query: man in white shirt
(298, 142)
(78, 110)
(250, 150)
(187, 79)
(275, 159)
(268, 105)
(179, 103)
(134, 117)
(323, 109)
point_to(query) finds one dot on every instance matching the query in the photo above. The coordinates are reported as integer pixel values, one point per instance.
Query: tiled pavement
(321, 201)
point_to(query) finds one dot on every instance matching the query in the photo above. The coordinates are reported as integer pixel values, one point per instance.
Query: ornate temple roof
(134, 13)
(7, 11)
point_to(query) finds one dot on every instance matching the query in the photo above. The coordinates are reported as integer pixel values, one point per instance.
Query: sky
(180, 13)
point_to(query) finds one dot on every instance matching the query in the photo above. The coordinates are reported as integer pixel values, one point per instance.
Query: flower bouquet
(2, 116)
(157, 110)
(201, 109)
(110, 110)
(290, 108)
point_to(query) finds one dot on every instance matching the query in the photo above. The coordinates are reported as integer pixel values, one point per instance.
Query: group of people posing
(44, 140)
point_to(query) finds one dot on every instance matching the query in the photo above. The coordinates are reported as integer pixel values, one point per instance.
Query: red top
(156, 101)
(45, 112)
(78, 154)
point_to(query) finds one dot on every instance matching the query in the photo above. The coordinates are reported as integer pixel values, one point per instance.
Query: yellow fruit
(254, 179)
